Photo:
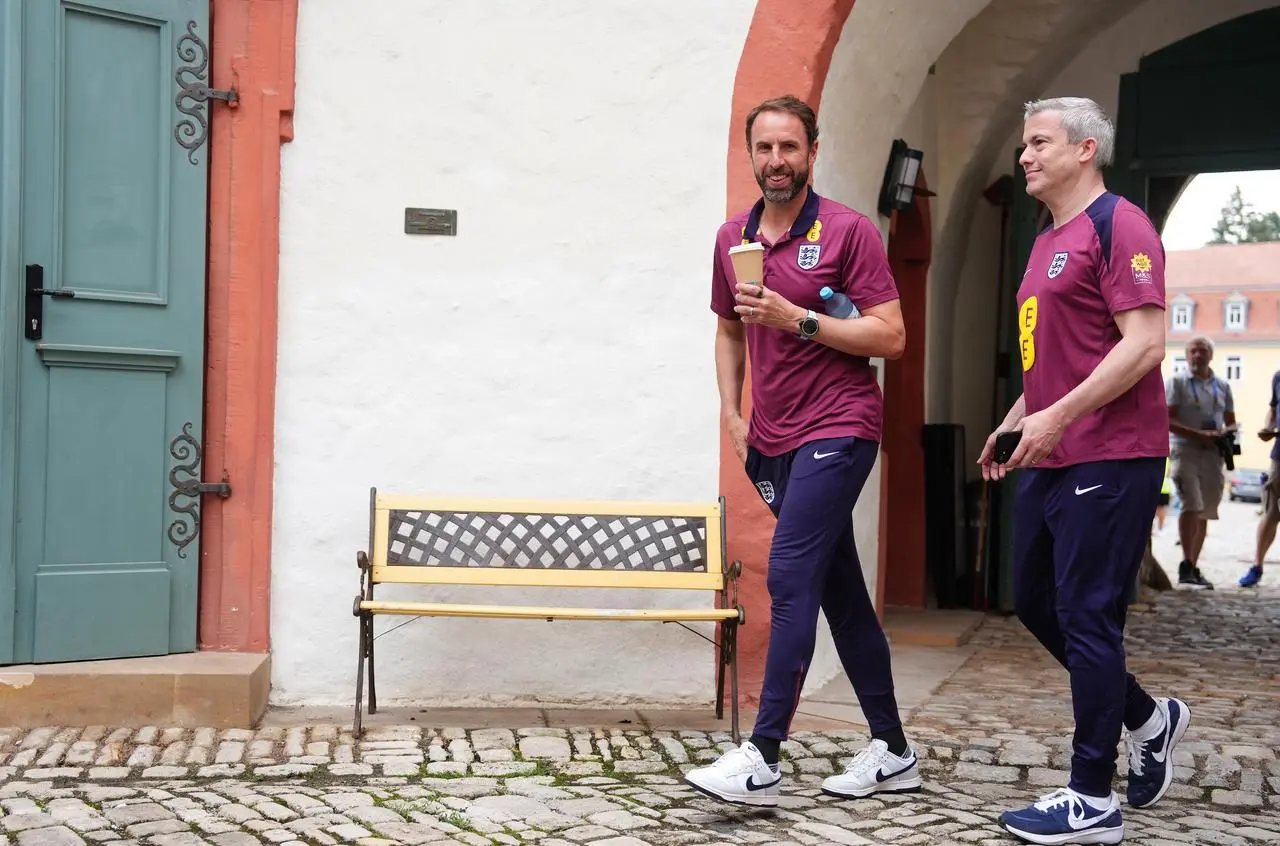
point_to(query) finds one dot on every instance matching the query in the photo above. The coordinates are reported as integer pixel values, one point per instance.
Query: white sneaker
(875, 770)
(739, 776)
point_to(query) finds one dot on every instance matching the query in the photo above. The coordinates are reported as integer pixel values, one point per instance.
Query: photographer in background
(1202, 425)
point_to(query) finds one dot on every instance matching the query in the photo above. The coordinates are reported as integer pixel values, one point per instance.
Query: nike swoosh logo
(1080, 490)
(1163, 753)
(1081, 820)
(881, 775)
(751, 783)
(1164, 747)
(825, 454)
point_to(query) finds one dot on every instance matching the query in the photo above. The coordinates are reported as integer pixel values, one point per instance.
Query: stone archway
(867, 67)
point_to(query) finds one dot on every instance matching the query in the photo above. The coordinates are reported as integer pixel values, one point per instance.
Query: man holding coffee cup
(812, 439)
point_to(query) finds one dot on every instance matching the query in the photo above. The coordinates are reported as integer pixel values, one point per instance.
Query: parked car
(1245, 484)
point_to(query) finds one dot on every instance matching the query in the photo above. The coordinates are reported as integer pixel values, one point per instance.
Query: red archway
(902, 453)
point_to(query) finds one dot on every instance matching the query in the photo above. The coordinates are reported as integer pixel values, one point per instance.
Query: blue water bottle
(838, 305)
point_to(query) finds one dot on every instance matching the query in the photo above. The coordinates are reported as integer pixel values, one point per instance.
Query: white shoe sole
(909, 784)
(1089, 835)
(753, 800)
(1178, 731)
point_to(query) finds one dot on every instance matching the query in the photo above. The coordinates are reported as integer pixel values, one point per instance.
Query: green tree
(1240, 223)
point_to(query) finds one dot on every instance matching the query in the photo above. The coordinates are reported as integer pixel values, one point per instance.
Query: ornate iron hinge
(192, 130)
(186, 526)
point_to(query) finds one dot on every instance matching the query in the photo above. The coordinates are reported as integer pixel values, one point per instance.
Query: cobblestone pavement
(994, 735)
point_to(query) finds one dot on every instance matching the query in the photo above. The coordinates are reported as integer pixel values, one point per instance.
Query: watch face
(809, 326)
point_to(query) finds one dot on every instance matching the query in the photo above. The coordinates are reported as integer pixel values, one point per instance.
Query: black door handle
(35, 300)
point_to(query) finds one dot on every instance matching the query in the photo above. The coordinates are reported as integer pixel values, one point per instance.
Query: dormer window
(1182, 317)
(1235, 311)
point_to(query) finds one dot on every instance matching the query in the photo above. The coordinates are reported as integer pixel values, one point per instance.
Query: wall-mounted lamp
(898, 191)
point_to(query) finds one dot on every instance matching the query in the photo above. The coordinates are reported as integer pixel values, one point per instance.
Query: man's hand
(1040, 434)
(737, 428)
(757, 304)
(1266, 434)
(991, 471)
(1012, 422)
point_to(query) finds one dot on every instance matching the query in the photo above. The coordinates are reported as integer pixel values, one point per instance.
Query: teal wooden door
(112, 180)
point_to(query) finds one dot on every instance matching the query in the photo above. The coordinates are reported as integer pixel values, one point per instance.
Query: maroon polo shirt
(1106, 260)
(804, 390)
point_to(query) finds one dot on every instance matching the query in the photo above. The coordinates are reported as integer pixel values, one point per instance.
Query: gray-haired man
(1201, 412)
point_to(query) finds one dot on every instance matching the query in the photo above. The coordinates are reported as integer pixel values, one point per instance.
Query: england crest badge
(808, 256)
(1058, 263)
(766, 491)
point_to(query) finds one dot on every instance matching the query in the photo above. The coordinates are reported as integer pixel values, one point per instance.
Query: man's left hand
(1040, 434)
(757, 304)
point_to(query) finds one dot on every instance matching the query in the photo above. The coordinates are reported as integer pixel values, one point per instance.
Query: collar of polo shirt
(803, 223)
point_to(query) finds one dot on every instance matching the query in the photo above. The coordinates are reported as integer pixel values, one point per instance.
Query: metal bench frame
(533, 543)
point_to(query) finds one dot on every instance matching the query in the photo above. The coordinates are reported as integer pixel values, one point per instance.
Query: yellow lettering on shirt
(1027, 316)
(815, 232)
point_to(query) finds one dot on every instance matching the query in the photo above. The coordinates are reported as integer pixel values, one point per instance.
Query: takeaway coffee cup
(748, 262)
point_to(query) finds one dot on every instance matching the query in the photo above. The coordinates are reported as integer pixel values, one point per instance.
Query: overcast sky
(1191, 221)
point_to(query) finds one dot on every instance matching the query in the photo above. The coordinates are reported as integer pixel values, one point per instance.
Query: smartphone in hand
(1006, 443)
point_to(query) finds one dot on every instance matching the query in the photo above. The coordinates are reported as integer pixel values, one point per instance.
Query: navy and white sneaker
(875, 770)
(739, 776)
(1151, 760)
(1065, 816)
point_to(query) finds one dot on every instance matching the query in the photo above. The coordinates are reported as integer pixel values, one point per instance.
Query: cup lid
(742, 248)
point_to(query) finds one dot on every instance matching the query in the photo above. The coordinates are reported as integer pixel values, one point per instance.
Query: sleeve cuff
(1129, 303)
(876, 299)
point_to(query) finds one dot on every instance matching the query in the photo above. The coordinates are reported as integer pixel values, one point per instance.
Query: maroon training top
(804, 390)
(1106, 260)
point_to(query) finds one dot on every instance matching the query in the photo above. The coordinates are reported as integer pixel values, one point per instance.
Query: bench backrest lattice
(578, 544)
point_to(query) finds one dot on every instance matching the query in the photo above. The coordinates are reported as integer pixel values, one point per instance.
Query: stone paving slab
(995, 735)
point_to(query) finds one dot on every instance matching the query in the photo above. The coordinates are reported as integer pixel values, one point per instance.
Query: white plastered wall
(1093, 72)
(559, 346)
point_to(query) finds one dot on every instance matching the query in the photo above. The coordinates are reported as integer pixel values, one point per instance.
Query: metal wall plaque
(430, 221)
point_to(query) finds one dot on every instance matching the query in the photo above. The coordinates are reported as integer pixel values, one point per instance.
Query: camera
(1228, 449)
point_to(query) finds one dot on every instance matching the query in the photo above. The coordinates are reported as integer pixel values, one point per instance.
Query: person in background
(1270, 491)
(1201, 412)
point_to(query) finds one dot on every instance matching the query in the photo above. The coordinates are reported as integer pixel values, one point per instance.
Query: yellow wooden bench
(439, 541)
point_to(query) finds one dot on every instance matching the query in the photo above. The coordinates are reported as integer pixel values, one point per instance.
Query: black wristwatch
(809, 325)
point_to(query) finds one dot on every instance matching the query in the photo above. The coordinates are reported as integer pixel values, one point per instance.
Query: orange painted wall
(788, 51)
(252, 51)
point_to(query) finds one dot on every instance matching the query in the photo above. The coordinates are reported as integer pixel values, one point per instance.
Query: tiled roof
(1241, 267)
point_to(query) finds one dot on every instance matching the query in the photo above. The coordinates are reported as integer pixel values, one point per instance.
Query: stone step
(931, 627)
(219, 689)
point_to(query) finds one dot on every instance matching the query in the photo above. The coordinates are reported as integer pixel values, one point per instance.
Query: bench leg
(361, 643)
(733, 671)
(722, 655)
(373, 690)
